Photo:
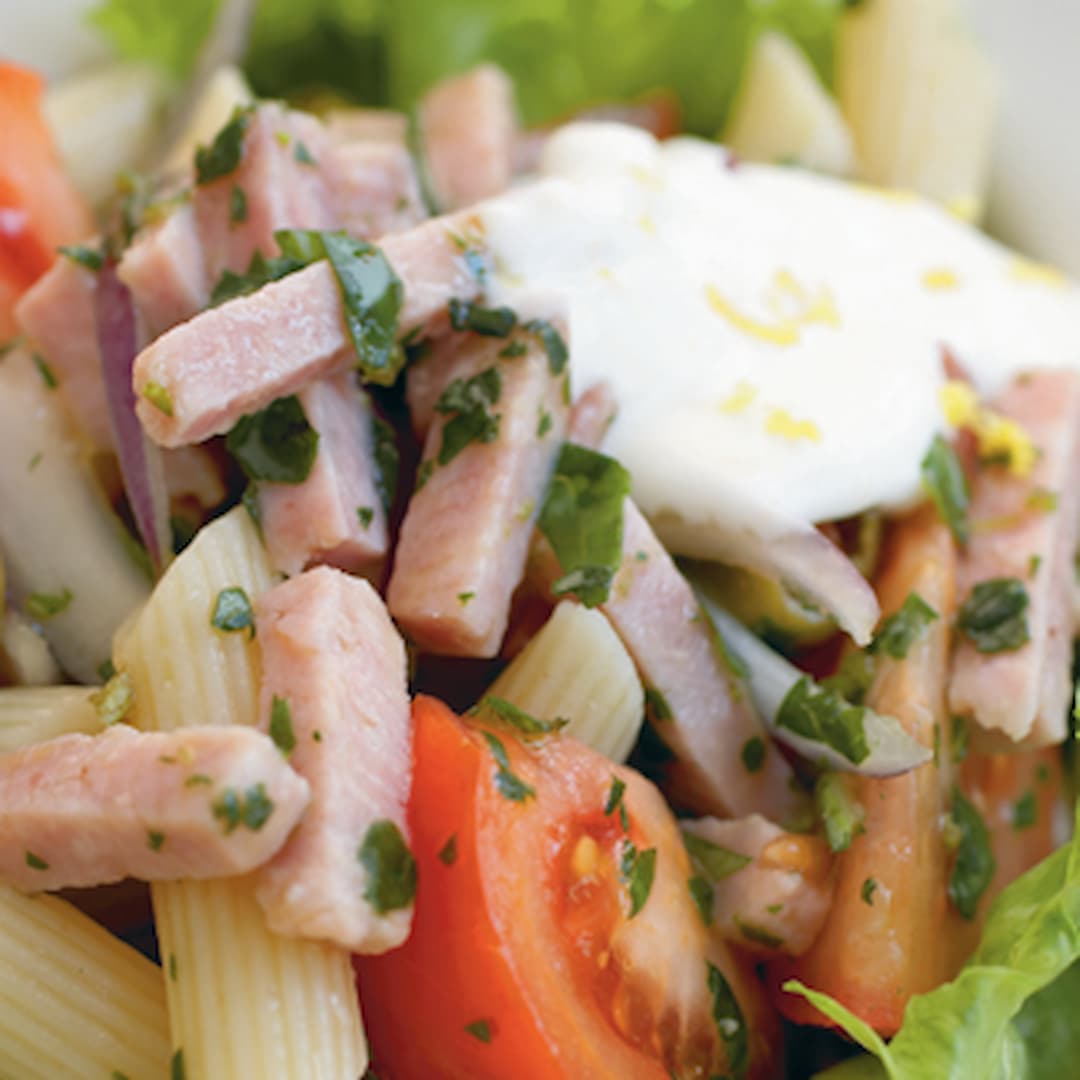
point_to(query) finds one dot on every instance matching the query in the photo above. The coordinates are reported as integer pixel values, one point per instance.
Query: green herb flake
(514, 350)
(198, 780)
(114, 700)
(281, 725)
(36, 862)
(753, 754)
(423, 474)
(48, 377)
(468, 404)
(42, 606)
(282, 138)
(106, 670)
(448, 852)
(656, 706)
(713, 861)
(853, 677)
(390, 866)
(509, 785)
(158, 396)
(365, 515)
(841, 813)
(974, 866)
(582, 519)
(866, 893)
(1033, 565)
(224, 154)
(994, 616)
(903, 628)
(316, 736)
(489, 322)
(480, 1029)
(34, 462)
(944, 481)
(252, 808)
(637, 870)
(155, 841)
(507, 713)
(176, 1067)
(276, 445)
(758, 935)
(1042, 501)
(703, 894)
(818, 713)
(116, 1074)
(387, 460)
(774, 909)
(552, 342)
(88, 258)
(1042, 773)
(729, 1022)
(958, 739)
(233, 612)
(544, 424)
(173, 973)
(615, 802)
(303, 155)
(463, 598)
(238, 205)
(1025, 811)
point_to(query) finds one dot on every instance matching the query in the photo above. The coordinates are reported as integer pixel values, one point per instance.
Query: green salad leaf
(1009, 1014)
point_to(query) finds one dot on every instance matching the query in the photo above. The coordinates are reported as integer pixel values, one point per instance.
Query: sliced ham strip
(241, 356)
(164, 269)
(56, 315)
(332, 654)
(778, 901)
(468, 127)
(1023, 695)
(375, 189)
(336, 515)
(466, 533)
(86, 810)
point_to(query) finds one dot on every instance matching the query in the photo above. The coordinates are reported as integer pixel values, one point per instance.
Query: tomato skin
(505, 933)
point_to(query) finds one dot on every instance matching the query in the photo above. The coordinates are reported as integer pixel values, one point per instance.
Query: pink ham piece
(466, 533)
(56, 315)
(375, 189)
(468, 127)
(592, 415)
(241, 356)
(1026, 527)
(333, 659)
(85, 810)
(777, 902)
(336, 515)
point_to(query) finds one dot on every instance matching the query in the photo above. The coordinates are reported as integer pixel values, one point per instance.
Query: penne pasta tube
(33, 714)
(577, 668)
(75, 1002)
(243, 1002)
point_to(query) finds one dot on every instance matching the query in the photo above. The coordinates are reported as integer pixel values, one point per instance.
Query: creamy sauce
(774, 338)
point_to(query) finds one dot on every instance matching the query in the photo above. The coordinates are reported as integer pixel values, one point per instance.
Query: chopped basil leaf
(944, 481)
(514, 350)
(1025, 811)
(866, 893)
(303, 155)
(702, 893)
(841, 813)
(36, 862)
(480, 1029)
(467, 403)
(853, 677)
(615, 796)
(974, 867)
(281, 726)
(390, 866)
(42, 606)
(238, 206)
(252, 809)
(730, 1024)
(582, 518)
(158, 396)
(552, 341)
(1033, 565)
(448, 852)
(387, 460)
(656, 705)
(276, 445)
(48, 377)
(86, 257)
(816, 712)
(758, 935)
(903, 628)
(233, 611)
(544, 424)
(366, 516)
(261, 271)
(114, 700)
(753, 754)
(507, 713)
(106, 670)
(637, 870)
(510, 786)
(994, 616)
(155, 841)
(712, 860)
(464, 597)
(223, 155)
(176, 1068)
(491, 322)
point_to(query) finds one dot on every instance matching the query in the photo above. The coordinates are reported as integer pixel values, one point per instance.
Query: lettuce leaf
(161, 32)
(1008, 1015)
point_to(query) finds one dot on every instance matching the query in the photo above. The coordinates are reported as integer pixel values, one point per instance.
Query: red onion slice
(141, 462)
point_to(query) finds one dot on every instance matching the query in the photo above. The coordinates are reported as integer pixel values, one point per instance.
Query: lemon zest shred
(1035, 273)
(781, 422)
(820, 308)
(740, 399)
(959, 403)
(783, 333)
(999, 438)
(940, 280)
